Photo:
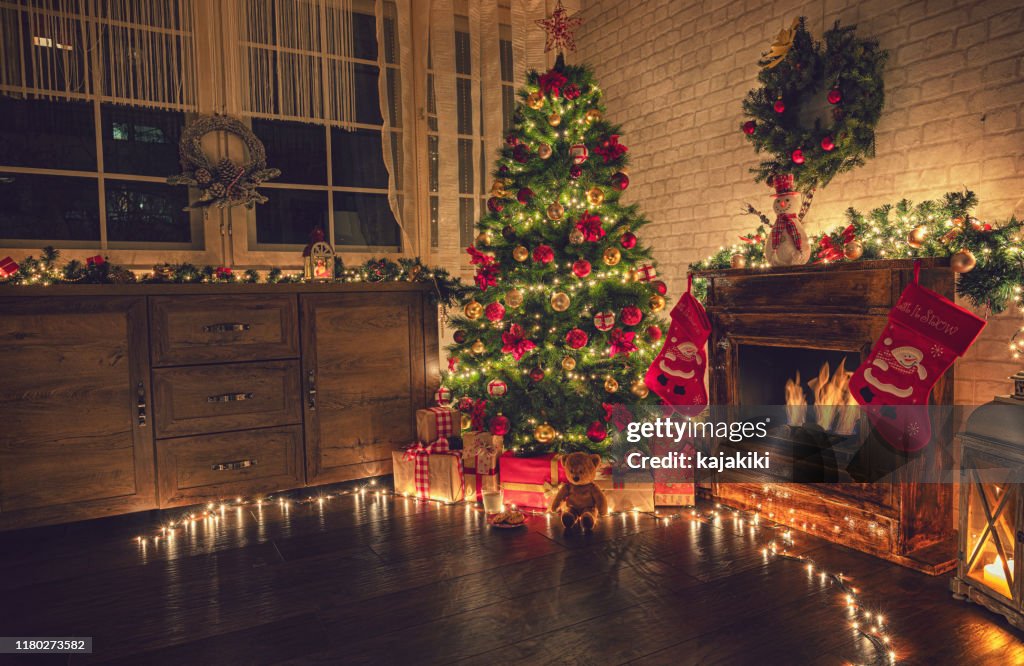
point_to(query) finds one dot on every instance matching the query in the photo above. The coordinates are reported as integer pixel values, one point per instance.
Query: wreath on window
(818, 104)
(225, 183)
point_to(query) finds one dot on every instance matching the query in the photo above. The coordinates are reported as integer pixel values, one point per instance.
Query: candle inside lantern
(995, 576)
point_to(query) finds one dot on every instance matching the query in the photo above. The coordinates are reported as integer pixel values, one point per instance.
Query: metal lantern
(991, 549)
(318, 258)
(1018, 385)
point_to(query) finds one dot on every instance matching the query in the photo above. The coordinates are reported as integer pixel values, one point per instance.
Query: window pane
(466, 222)
(465, 166)
(463, 59)
(358, 158)
(299, 150)
(289, 216)
(47, 135)
(506, 60)
(464, 108)
(49, 207)
(508, 105)
(434, 221)
(364, 43)
(367, 96)
(364, 220)
(394, 80)
(141, 141)
(390, 38)
(432, 156)
(147, 212)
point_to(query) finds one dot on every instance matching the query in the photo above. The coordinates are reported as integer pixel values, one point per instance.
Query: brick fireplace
(769, 325)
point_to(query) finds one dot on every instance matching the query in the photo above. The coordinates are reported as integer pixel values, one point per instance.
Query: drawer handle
(226, 328)
(311, 390)
(140, 404)
(233, 465)
(231, 397)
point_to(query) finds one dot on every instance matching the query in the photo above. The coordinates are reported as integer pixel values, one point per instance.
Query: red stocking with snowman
(925, 334)
(677, 373)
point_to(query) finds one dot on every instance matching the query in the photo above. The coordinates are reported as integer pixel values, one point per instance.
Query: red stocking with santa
(925, 334)
(677, 373)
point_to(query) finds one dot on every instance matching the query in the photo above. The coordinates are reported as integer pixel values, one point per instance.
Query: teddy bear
(583, 501)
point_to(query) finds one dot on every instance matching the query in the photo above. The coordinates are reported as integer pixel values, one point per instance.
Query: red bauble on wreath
(798, 156)
(779, 106)
(827, 144)
(834, 96)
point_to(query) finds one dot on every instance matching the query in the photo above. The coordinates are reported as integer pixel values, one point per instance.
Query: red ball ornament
(459, 336)
(827, 143)
(779, 106)
(654, 333)
(494, 205)
(543, 254)
(628, 240)
(521, 153)
(749, 127)
(798, 156)
(620, 180)
(575, 171)
(581, 268)
(494, 311)
(500, 425)
(660, 287)
(576, 338)
(537, 374)
(512, 140)
(834, 96)
(631, 315)
(596, 431)
(524, 195)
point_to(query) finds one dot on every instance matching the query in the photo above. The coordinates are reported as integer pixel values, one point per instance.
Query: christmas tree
(560, 328)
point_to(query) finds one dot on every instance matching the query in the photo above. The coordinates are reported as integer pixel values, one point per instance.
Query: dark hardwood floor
(384, 580)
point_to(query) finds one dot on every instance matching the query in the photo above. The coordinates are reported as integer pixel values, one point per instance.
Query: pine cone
(227, 170)
(203, 176)
(217, 190)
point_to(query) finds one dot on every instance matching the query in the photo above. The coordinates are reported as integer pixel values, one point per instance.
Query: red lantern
(596, 431)
(628, 240)
(620, 180)
(749, 127)
(581, 268)
(654, 333)
(500, 425)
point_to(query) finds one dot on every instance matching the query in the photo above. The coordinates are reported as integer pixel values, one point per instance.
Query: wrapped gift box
(431, 472)
(673, 487)
(434, 423)
(673, 494)
(626, 489)
(480, 454)
(530, 483)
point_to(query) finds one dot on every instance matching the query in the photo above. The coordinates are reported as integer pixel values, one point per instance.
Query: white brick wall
(675, 72)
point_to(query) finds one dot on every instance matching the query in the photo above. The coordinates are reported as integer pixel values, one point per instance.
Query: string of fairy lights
(863, 618)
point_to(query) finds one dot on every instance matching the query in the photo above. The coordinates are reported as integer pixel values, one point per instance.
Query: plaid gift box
(646, 273)
(8, 267)
(531, 483)
(434, 423)
(480, 461)
(429, 472)
(626, 489)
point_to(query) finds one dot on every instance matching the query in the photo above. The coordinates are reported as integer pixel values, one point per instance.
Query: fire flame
(834, 405)
(796, 402)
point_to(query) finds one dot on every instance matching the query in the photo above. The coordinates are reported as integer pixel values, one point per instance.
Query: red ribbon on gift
(485, 458)
(443, 420)
(477, 415)
(420, 453)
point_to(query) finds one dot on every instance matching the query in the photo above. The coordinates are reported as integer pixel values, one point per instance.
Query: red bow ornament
(590, 225)
(514, 343)
(610, 148)
(551, 83)
(621, 342)
(617, 414)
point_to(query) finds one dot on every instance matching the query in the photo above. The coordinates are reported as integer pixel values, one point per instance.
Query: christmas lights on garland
(48, 269)
(866, 622)
(989, 258)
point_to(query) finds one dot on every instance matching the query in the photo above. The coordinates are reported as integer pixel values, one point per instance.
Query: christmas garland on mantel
(48, 269)
(989, 258)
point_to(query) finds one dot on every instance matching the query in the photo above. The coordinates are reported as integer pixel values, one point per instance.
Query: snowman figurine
(787, 244)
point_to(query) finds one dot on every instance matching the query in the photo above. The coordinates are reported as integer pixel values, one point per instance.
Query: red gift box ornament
(98, 260)
(8, 267)
(579, 153)
(646, 273)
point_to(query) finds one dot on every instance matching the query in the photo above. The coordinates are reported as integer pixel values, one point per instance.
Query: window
(332, 166)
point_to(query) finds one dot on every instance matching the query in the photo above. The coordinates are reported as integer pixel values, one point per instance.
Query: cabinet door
(364, 356)
(76, 440)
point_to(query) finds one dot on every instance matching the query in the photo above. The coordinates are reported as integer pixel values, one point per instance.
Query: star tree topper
(560, 28)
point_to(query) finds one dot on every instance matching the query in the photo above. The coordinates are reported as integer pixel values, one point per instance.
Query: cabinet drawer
(216, 398)
(209, 329)
(192, 470)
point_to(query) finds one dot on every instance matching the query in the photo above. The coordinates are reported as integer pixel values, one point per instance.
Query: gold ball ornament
(568, 364)
(738, 261)
(853, 250)
(544, 151)
(560, 301)
(595, 196)
(483, 239)
(478, 347)
(555, 211)
(657, 303)
(544, 433)
(520, 253)
(554, 120)
(535, 100)
(963, 261)
(592, 116)
(473, 310)
(610, 385)
(917, 236)
(576, 237)
(612, 256)
(632, 275)
(465, 423)
(513, 298)
(639, 389)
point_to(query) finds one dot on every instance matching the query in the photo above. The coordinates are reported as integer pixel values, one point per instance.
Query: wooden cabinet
(364, 365)
(76, 439)
(237, 406)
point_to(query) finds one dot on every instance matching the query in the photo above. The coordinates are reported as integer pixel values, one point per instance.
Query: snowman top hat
(783, 184)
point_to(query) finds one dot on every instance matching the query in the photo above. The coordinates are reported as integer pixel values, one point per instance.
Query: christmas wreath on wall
(815, 112)
(225, 183)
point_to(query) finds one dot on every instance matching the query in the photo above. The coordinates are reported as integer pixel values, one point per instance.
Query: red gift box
(8, 267)
(531, 483)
